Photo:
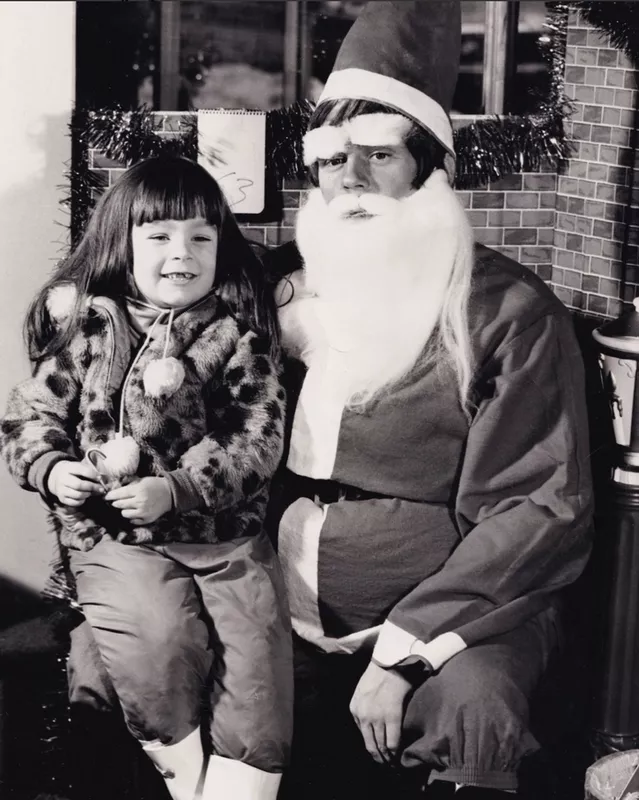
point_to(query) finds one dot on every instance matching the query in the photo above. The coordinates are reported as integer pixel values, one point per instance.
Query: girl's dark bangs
(174, 199)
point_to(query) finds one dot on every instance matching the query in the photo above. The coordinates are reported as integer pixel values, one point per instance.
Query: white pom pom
(117, 458)
(163, 377)
(60, 300)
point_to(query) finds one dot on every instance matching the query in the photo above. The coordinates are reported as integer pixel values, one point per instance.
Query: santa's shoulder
(504, 287)
(507, 299)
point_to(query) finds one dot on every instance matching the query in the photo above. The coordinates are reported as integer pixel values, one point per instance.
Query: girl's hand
(142, 501)
(73, 481)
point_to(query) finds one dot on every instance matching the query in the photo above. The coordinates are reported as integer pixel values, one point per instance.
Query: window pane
(116, 53)
(232, 54)
(531, 77)
(330, 22)
(468, 92)
(235, 54)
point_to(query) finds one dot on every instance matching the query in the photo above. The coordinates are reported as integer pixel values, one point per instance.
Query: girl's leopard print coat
(220, 434)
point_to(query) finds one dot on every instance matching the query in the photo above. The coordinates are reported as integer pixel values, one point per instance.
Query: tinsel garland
(490, 149)
(129, 136)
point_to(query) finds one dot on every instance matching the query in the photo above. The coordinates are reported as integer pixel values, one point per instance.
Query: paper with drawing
(232, 146)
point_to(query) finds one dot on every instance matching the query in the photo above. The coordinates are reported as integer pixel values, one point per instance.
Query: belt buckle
(333, 495)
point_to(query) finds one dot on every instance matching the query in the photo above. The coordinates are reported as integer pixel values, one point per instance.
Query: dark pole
(616, 723)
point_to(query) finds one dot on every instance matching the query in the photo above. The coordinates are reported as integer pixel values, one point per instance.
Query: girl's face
(174, 260)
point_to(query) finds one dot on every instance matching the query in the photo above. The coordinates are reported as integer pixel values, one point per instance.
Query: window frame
(500, 30)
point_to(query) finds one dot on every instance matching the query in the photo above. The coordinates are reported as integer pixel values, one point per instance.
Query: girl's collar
(144, 315)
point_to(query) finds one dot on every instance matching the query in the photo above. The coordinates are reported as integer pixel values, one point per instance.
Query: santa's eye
(333, 161)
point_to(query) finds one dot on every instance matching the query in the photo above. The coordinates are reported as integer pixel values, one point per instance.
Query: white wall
(37, 68)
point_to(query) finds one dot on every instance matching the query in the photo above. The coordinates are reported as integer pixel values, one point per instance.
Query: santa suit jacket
(478, 524)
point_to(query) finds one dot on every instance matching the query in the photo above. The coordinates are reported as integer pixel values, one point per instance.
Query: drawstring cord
(147, 340)
(120, 456)
(168, 332)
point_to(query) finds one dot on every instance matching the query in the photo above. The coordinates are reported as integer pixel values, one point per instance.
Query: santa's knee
(471, 718)
(471, 686)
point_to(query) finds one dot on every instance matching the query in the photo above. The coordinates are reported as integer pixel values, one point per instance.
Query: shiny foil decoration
(490, 149)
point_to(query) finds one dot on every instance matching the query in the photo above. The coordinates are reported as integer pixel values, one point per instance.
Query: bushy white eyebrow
(368, 130)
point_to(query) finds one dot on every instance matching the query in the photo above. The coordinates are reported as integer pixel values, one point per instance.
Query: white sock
(235, 780)
(180, 764)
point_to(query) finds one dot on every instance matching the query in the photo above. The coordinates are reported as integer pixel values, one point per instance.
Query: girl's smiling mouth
(179, 277)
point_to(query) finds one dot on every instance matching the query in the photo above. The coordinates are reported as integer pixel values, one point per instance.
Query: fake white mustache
(376, 205)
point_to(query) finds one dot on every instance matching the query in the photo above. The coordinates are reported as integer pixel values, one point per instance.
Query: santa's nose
(356, 174)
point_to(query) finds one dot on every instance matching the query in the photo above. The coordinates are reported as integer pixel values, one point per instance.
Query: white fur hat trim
(370, 130)
(354, 83)
(377, 130)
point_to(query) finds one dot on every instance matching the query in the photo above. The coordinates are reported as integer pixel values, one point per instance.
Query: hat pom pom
(163, 377)
(120, 457)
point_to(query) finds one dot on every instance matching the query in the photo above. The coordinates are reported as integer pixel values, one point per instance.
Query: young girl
(151, 427)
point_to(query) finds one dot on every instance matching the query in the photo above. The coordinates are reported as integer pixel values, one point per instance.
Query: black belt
(326, 491)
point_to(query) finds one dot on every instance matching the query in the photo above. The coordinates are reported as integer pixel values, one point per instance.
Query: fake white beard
(379, 282)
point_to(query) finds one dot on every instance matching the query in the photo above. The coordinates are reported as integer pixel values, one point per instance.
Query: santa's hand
(143, 501)
(377, 707)
(72, 482)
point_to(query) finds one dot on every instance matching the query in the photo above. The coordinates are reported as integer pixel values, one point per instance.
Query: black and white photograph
(253, 257)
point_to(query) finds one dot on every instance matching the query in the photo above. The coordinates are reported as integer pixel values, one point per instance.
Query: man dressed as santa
(436, 496)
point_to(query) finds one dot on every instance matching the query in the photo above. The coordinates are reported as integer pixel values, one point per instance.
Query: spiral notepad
(232, 147)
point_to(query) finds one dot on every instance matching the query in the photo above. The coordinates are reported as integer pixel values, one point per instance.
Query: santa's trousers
(467, 724)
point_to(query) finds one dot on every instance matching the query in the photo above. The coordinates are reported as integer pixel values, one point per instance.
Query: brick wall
(569, 228)
(593, 189)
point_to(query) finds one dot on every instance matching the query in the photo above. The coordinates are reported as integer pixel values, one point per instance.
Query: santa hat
(404, 55)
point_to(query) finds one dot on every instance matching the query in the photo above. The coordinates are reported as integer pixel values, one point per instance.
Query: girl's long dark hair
(166, 187)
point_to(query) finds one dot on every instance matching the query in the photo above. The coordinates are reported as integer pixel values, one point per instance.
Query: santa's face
(387, 170)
